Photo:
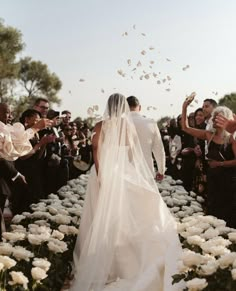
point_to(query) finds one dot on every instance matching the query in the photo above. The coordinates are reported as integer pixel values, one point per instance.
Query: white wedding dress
(127, 238)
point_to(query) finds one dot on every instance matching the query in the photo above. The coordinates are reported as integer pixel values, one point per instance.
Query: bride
(127, 239)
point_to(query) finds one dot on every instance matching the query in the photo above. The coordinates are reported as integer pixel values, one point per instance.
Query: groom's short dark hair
(133, 101)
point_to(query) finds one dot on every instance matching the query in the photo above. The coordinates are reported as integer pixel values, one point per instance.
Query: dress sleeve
(158, 151)
(14, 141)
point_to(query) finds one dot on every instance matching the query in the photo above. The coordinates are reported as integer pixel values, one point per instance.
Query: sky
(191, 44)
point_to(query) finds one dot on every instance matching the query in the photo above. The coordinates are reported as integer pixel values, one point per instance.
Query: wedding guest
(199, 178)
(31, 165)
(174, 159)
(42, 106)
(222, 164)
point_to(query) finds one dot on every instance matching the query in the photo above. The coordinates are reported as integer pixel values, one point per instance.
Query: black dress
(221, 189)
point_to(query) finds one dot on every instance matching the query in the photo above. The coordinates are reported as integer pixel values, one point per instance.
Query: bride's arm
(95, 140)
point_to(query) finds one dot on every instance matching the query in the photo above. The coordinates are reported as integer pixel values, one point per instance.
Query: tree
(229, 100)
(38, 81)
(10, 45)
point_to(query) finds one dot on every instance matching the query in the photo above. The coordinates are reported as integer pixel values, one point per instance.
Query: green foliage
(32, 76)
(38, 81)
(10, 45)
(229, 100)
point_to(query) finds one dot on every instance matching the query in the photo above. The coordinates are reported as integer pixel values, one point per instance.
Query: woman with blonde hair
(221, 158)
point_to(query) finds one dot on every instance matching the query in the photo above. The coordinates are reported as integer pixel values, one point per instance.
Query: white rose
(13, 236)
(38, 274)
(7, 262)
(41, 263)
(195, 240)
(57, 246)
(218, 250)
(57, 234)
(226, 260)
(192, 259)
(52, 210)
(17, 218)
(209, 269)
(196, 284)
(19, 278)
(193, 230)
(232, 236)
(5, 249)
(210, 233)
(21, 253)
(61, 219)
(37, 239)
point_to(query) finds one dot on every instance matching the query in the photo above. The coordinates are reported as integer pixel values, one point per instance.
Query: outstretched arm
(199, 133)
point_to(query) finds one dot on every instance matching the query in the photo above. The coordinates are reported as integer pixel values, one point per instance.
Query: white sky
(83, 39)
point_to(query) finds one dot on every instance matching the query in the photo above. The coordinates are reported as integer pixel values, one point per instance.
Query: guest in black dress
(200, 167)
(222, 165)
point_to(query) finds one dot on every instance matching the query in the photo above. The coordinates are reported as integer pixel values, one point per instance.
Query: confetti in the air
(168, 78)
(139, 64)
(102, 90)
(186, 67)
(158, 82)
(134, 26)
(143, 34)
(151, 48)
(125, 33)
(152, 62)
(143, 52)
(134, 69)
(129, 62)
(168, 89)
(90, 111)
(146, 76)
(81, 80)
(141, 77)
(164, 80)
(154, 75)
(69, 92)
(120, 72)
(168, 60)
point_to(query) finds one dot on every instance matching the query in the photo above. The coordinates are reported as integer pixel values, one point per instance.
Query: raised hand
(229, 125)
(42, 123)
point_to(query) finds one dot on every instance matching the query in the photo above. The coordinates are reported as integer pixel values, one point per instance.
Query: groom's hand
(159, 177)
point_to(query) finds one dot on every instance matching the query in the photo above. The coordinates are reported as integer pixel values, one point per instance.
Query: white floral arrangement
(36, 253)
(208, 261)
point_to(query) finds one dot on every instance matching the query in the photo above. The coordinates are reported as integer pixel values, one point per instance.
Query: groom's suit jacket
(150, 141)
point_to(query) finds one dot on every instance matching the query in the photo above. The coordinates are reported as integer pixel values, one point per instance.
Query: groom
(149, 138)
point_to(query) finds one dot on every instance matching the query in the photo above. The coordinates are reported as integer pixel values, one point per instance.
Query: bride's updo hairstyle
(116, 105)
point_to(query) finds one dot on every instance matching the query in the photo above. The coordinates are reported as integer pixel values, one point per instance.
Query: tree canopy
(229, 100)
(30, 78)
(10, 45)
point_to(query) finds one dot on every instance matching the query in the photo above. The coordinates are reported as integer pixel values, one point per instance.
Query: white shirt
(150, 141)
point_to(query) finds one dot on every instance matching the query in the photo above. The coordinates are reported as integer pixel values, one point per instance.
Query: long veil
(131, 224)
